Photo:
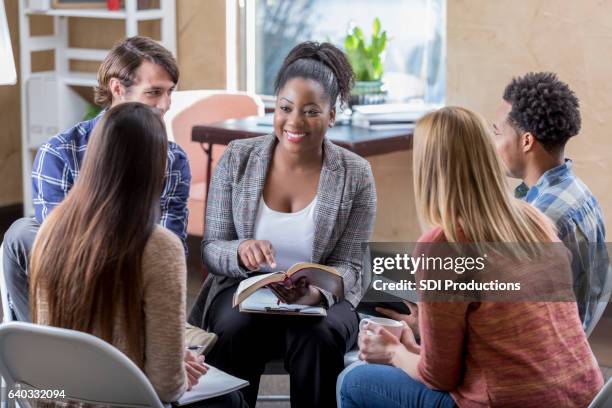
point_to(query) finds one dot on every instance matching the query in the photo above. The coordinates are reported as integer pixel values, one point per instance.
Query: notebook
(212, 384)
(265, 301)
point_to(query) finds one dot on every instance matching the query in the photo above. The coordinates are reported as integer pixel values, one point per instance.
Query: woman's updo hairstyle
(321, 62)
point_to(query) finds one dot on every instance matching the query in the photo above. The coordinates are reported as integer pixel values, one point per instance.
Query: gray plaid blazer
(344, 215)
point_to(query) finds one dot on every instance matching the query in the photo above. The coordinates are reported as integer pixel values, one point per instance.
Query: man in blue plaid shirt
(135, 70)
(538, 115)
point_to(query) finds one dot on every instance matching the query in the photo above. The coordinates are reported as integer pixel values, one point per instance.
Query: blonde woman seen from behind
(473, 354)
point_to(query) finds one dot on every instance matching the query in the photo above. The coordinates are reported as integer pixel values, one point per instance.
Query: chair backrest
(84, 366)
(206, 108)
(604, 398)
(7, 314)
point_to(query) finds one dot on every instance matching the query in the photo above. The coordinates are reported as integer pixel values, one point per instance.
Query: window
(415, 60)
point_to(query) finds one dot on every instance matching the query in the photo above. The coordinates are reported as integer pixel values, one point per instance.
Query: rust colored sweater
(510, 354)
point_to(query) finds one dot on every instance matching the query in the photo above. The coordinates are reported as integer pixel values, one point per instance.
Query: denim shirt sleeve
(174, 211)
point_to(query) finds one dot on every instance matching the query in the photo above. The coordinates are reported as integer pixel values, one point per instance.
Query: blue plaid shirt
(59, 161)
(575, 211)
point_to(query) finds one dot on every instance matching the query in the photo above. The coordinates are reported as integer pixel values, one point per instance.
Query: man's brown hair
(124, 59)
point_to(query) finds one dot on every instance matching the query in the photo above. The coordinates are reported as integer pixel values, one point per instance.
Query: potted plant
(367, 63)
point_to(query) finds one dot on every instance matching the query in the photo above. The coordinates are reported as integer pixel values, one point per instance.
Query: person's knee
(351, 384)
(241, 326)
(355, 377)
(323, 336)
(20, 236)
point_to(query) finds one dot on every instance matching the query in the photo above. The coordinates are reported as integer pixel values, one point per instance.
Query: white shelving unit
(48, 102)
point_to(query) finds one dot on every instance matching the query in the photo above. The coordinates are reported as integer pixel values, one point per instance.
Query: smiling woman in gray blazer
(279, 199)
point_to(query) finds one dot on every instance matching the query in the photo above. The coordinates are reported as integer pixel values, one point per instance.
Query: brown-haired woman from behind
(519, 353)
(102, 265)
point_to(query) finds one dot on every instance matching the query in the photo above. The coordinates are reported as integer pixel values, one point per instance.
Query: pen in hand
(194, 348)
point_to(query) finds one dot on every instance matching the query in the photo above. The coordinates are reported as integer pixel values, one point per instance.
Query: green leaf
(376, 26)
(364, 56)
(350, 43)
(382, 42)
(358, 33)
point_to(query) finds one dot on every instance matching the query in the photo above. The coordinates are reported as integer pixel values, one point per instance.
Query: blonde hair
(460, 184)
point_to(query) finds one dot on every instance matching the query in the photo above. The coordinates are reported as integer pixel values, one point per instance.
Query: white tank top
(291, 234)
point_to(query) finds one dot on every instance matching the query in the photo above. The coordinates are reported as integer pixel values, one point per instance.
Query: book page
(247, 286)
(212, 384)
(322, 276)
(251, 281)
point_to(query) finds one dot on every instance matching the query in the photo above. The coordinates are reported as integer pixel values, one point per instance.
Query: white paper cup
(392, 326)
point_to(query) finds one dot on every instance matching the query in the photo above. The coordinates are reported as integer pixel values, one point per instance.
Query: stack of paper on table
(389, 116)
(212, 384)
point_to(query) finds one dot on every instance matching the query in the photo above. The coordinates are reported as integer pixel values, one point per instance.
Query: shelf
(141, 15)
(81, 79)
(85, 54)
(73, 78)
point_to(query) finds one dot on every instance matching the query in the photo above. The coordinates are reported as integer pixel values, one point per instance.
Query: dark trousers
(313, 348)
(231, 400)
(18, 242)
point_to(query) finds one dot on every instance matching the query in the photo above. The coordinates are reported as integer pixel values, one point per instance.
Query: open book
(321, 276)
(212, 384)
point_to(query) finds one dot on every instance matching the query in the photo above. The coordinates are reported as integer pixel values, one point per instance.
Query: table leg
(209, 160)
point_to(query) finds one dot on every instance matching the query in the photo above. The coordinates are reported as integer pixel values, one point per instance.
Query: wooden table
(365, 142)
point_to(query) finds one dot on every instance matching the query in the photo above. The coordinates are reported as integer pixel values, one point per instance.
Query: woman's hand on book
(194, 368)
(253, 254)
(298, 292)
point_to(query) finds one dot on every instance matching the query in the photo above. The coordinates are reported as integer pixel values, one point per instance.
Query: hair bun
(328, 65)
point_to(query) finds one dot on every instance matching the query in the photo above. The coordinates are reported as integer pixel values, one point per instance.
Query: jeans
(18, 242)
(383, 386)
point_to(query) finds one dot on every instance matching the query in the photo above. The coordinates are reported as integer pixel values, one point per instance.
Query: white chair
(87, 368)
(604, 398)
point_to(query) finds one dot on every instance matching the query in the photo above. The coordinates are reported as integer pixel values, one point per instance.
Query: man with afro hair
(536, 118)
